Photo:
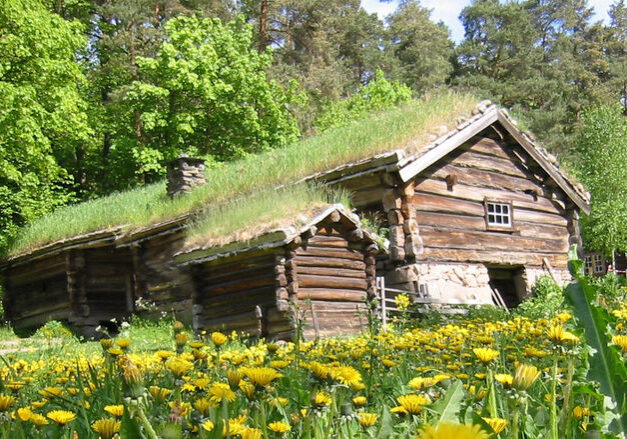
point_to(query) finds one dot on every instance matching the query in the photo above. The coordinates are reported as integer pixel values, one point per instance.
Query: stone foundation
(462, 282)
(459, 282)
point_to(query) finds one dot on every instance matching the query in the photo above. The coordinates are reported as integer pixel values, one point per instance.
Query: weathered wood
(333, 272)
(438, 203)
(331, 294)
(305, 260)
(330, 253)
(509, 257)
(315, 281)
(473, 240)
(484, 178)
(464, 192)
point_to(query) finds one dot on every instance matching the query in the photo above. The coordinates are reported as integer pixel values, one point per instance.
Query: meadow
(479, 375)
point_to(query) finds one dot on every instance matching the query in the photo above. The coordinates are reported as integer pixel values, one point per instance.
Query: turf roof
(407, 127)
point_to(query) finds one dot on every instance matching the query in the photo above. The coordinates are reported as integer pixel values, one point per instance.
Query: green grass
(395, 129)
(265, 210)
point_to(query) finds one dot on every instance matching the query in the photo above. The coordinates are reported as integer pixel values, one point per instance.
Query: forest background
(98, 95)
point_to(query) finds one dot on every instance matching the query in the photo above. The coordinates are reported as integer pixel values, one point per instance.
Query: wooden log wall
(36, 292)
(239, 293)
(158, 279)
(449, 204)
(108, 284)
(335, 277)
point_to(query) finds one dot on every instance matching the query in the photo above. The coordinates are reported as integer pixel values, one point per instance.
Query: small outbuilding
(321, 271)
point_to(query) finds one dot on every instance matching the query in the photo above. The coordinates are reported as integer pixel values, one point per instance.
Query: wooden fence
(387, 303)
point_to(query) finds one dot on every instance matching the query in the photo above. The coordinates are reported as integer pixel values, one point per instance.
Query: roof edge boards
(532, 150)
(414, 167)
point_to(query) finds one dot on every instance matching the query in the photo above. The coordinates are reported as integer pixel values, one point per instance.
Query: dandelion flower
(115, 410)
(6, 401)
(279, 427)
(221, 391)
(579, 412)
(159, 393)
(322, 399)
(38, 420)
(411, 403)
(525, 376)
(486, 355)
(367, 419)
(61, 417)
(620, 340)
(219, 338)
(504, 378)
(24, 413)
(448, 430)
(251, 433)
(106, 428)
(261, 376)
(497, 424)
(360, 401)
(207, 425)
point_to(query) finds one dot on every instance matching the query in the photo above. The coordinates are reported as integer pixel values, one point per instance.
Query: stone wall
(463, 282)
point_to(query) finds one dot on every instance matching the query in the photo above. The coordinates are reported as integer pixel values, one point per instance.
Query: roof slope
(405, 127)
(406, 144)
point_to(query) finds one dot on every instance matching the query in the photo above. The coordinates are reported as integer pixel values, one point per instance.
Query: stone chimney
(185, 173)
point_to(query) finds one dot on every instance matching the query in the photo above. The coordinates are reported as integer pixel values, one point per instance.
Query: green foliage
(206, 93)
(42, 116)
(546, 59)
(421, 49)
(378, 95)
(606, 364)
(488, 313)
(601, 157)
(546, 302)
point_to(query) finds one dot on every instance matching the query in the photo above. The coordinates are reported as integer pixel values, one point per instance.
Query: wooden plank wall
(333, 283)
(108, 282)
(230, 290)
(158, 280)
(37, 292)
(451, 216)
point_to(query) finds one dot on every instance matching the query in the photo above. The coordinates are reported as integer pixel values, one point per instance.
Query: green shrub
(547, 300)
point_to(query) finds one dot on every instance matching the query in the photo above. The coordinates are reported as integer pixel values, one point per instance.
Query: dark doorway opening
(505, 280)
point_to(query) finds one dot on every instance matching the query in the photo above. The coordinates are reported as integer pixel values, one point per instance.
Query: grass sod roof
(406, 127)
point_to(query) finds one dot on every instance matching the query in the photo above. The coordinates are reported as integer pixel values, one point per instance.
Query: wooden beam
(543, 162)
(413, 168)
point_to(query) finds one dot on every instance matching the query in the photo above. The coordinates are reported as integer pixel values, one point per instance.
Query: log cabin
(474, 209)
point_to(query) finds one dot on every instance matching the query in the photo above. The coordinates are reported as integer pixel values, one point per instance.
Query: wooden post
(314, 318)
(381, 291)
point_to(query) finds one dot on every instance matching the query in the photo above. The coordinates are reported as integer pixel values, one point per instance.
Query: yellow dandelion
(486, 355)
(221, 391)
(261, 376)
(218, 338)
(251, 433)
(525, 376)
(6, 401)
(497, 424)
(159, 393)
(360, 401)
(106, 428)
(620, 340)
(207, 425)
(448, 430)
(61, 417)
(115, 410)
(38, 420)
(279, 427)
(179, 366)
(579, 412)
(402, 302)
(123, 343)
(504, 378)
(411, 403)
(322, 399)
(367, 419)
(24, 413)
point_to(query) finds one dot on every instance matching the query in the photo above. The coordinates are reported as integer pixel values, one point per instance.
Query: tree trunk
(263, 26)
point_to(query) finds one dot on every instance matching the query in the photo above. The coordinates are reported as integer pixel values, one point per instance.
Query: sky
(448, 11)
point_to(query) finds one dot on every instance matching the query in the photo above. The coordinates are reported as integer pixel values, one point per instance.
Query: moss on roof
(405, 127)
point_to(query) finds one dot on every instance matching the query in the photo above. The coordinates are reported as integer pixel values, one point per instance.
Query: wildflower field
(460, 377)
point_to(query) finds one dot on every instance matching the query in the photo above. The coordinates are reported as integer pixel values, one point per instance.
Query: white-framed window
(498, 214)
(598, 264)
(589, 268)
